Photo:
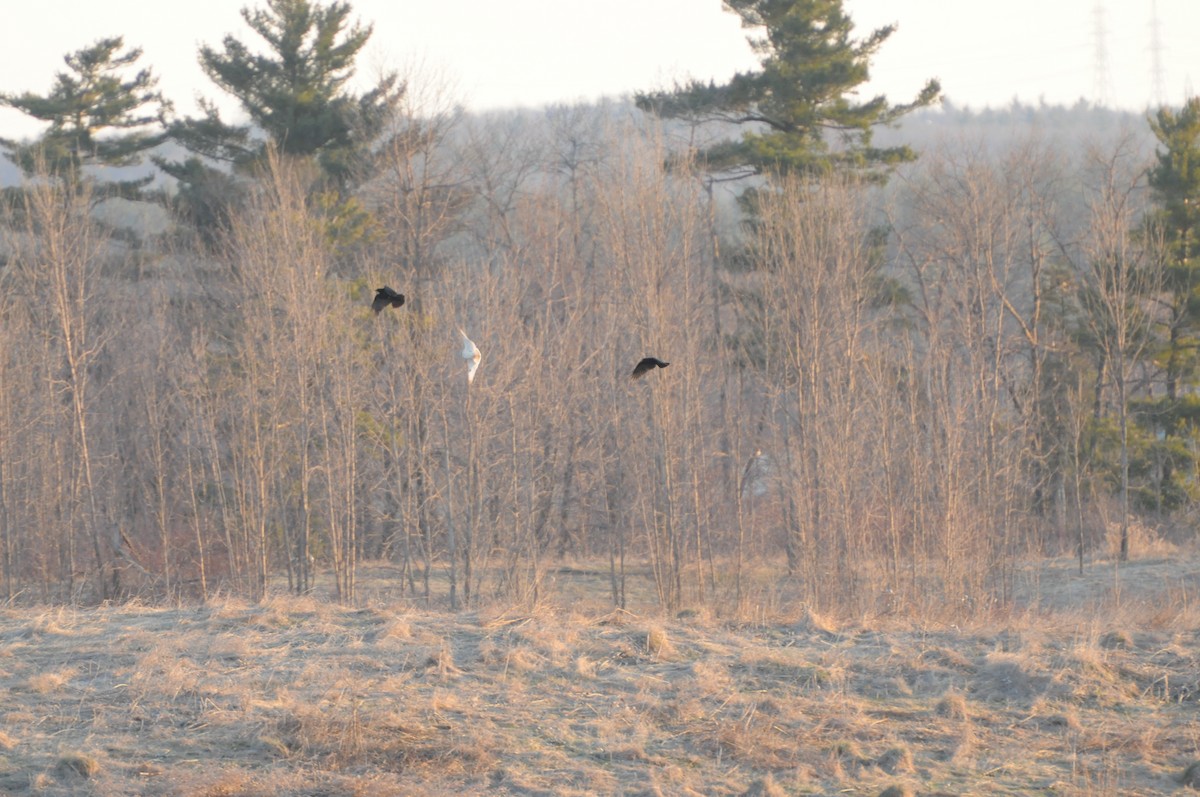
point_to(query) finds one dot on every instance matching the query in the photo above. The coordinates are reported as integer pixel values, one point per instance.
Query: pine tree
(1175, 182)
(295, 93)
(800, 100)
(1173, 421)
(96, 116)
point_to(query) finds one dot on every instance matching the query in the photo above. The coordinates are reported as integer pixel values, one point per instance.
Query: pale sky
(486, 54)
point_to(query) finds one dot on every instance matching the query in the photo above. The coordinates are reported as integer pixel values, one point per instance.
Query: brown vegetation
(886, 423)
(295, 696)
(821, 552)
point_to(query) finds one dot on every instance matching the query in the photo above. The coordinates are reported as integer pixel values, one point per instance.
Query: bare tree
(650, 245)
(1119, 273)
(814, 251)
(61, 271)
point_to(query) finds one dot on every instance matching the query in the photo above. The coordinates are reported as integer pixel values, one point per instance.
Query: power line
(1101, 79)
(1156, 55)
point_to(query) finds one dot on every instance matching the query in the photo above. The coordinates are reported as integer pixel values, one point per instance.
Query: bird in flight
(386, 296)
(471, 354)
(647, 364)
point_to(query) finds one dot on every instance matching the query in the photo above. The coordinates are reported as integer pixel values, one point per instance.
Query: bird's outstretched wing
(647, 364)
(385, 296)
(470, 353)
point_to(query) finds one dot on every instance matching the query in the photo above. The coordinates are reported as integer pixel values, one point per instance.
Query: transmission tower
(1101, 80)
(1156, 55)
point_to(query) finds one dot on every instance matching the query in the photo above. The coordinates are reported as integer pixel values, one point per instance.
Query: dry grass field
(1092, 687)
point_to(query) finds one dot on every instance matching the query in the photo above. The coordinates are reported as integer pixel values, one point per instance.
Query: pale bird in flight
(646, 365)
(471, 354)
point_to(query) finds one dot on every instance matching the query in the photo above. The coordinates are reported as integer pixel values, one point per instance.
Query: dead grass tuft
(1190, 777)
(164, 670)
(658, 643)
(964, 752)
(521, 660)
(765, 787)
(899, 790)
(946, 657)
(1048, 716)
(231, 646)
(1086, 674)
(295, 698)
(76, 764)
(814, 623)
(441, 661)
(757, 741)
(711, 677)
(1144, 542)
(1007, 677)
(952, 706)
(849, 751)
(769, 664)
(1116, 640)
(552, 641)
(45, 683)
(586, 667)
(52, 623)
(229, 607)
(896, 760)
(697, 617)
(227, 784)
(275, 745)
(284, 612)
(398, 630)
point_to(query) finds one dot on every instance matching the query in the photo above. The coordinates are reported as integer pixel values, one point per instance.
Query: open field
(1093, 687)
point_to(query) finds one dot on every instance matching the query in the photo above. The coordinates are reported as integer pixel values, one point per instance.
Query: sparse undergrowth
(296, 696)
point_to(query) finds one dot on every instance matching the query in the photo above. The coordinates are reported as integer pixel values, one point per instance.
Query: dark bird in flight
(385, 296)
(647, 364)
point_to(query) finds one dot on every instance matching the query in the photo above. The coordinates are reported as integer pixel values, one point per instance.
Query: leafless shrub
(875, 410)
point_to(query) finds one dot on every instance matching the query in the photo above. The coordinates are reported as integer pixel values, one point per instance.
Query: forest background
(903, 365)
